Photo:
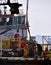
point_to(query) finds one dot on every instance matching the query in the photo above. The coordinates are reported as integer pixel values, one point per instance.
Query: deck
(23, 61)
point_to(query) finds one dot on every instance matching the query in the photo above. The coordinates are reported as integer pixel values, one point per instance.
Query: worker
(26, 50)
(31, 50)
(17, 40)
(24, 45)
(35, 51)
(46, 51)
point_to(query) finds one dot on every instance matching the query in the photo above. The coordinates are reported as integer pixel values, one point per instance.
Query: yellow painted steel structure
(49, 50)
(6, 43)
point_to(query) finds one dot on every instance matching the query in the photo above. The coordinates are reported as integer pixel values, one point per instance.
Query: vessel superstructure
(11, 25)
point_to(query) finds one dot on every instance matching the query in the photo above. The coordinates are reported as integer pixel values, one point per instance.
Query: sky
(40, 17)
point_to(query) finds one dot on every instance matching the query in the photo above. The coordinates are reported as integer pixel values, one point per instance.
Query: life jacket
(46, 51)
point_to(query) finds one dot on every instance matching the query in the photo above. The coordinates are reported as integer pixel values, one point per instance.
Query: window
(21, 20)
(3, 21)
(15, 20)
(9, 21)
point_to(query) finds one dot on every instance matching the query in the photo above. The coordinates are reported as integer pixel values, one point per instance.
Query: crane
(27, 22)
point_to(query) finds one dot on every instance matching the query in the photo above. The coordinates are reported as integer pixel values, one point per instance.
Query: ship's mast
(27, 22)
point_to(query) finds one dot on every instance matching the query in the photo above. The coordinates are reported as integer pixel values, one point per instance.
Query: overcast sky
(39, 16)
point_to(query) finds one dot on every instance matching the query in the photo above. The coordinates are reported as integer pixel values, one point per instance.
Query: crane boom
(27, 22)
